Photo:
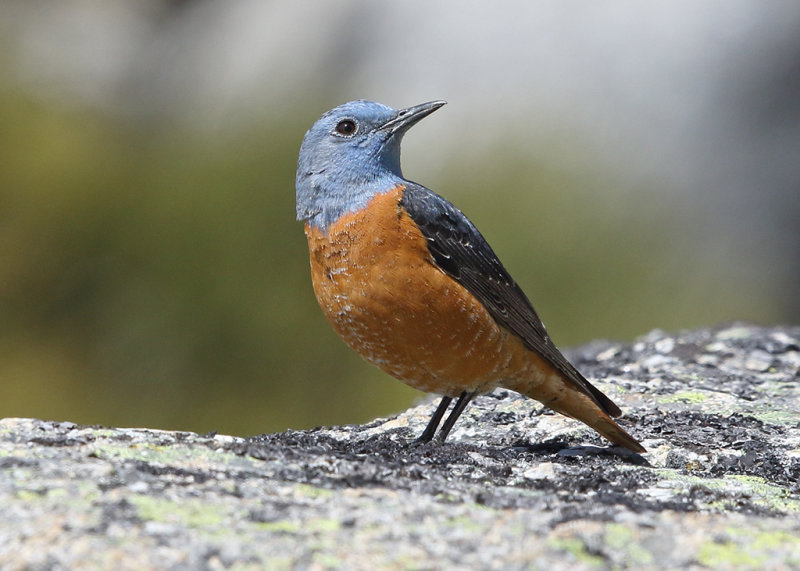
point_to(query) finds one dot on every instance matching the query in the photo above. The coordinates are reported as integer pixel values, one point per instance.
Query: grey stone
(515, 486)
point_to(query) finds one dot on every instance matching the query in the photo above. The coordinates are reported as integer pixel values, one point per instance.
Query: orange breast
(384, 295)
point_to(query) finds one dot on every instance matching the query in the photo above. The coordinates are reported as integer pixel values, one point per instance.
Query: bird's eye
(346, 127)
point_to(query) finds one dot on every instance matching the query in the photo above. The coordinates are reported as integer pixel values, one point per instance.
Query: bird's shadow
(556, 448)
(564, 450)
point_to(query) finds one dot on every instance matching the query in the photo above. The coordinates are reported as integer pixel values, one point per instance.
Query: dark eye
(346, 127)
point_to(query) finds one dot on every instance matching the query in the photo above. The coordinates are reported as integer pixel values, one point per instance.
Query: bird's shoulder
(453, 240)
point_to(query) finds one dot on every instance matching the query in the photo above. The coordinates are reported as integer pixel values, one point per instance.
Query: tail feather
(579, 407)
(611, 430)
(566, 398)
(600, 421)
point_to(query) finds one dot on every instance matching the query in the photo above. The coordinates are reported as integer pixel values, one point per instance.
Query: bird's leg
(461, 404)
(433, 424)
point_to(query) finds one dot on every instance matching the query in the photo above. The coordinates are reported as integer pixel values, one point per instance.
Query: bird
(408, 281)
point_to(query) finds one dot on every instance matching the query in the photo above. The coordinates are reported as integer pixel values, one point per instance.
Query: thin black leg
(461, 404)
(433, 423)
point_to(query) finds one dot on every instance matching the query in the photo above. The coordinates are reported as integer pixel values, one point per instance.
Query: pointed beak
(405, 118)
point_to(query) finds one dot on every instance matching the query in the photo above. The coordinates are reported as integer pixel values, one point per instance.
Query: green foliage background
(152, 274)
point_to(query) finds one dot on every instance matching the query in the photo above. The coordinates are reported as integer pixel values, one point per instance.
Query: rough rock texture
(514, 487)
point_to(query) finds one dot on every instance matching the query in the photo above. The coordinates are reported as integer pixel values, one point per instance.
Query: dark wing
(463, 253)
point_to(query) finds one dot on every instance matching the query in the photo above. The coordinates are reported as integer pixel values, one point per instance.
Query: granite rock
(514, 487)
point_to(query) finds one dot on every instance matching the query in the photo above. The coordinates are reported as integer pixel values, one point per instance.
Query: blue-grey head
(349, 155)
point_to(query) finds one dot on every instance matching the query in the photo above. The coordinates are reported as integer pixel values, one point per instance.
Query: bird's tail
(568, 400)
(603, 424)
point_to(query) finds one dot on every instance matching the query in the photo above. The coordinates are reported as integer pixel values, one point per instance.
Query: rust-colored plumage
(383, 294)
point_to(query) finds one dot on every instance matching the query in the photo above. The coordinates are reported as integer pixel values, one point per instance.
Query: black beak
(405, 118)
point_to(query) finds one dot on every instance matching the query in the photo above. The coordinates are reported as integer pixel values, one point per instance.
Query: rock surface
(514, 487)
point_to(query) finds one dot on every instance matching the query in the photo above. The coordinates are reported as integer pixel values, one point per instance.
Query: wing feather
(460, 250)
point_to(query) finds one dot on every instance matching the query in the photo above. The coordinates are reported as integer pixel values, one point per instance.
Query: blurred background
(635, 165)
